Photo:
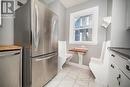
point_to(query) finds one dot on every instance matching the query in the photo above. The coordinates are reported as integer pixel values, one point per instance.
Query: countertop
(124, 52)
(9, 48)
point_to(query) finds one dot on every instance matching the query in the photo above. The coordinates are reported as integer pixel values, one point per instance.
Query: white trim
(84, 42)
(95, 12)
(0, 14)
(78, 65)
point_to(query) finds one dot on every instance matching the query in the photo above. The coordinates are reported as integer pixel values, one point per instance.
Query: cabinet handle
(128, 67)
(112, 66)
(113, 55)
(10, 54)
(118, 79)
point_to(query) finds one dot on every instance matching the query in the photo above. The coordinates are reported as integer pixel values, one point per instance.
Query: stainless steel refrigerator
(35, 29)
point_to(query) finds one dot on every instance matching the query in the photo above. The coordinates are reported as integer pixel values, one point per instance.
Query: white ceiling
(70, 3)
(48, 1)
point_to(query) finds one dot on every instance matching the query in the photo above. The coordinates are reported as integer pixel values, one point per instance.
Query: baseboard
(77, 65)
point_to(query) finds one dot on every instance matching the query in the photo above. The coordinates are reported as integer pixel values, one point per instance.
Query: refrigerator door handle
(53, 25)
(37, 28)
(46, 58)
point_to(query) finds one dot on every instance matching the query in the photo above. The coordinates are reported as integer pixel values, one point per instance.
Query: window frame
(90, 11)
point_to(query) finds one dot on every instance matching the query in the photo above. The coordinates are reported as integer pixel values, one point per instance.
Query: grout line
(62, 79)
(75, 79)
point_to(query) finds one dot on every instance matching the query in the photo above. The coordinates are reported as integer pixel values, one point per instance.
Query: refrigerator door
(44, 68)
(22, 37)
(44, 29)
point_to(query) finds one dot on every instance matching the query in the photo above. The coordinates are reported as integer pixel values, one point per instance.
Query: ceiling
(70, 3)
(66, 3)
(48, 1)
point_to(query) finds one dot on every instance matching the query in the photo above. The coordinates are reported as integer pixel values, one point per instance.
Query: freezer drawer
(10, 69)
(38, 74)
(44, 68)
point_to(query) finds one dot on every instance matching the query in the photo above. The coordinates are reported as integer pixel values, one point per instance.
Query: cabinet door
(10, 66)
(124, 81)
(116, 77)
(113, 74)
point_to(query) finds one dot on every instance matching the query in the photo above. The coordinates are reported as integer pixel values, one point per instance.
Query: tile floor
(72, 76)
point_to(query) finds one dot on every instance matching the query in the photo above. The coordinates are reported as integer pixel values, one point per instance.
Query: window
(83, 26)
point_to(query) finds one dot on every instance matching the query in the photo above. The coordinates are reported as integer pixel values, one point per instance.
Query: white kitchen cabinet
(124, 81)
(120, 23)
(113, 75)
(128, 14)
(118, 74)
(11, 69)
(117, 78)
(123, 64)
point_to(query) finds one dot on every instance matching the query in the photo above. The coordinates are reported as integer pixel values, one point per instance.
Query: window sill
(83, 43)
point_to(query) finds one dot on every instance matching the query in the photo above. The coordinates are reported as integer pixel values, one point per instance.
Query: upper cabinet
(19, 3)
(120, 23)
(128, 13)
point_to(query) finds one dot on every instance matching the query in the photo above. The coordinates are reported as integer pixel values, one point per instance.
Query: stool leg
(80, 58)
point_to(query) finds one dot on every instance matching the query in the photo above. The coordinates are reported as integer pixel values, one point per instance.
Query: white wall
(109, 13)
(128, 12)
(128, 20)
(119, 34)
(7, 28)
(60, 10)
(93, 50)
(6, 31)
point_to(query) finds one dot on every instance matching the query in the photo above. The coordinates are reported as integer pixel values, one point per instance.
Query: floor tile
(78, 85)
(82, 82)
(67, 82)
(72, 76)
(92, 83)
